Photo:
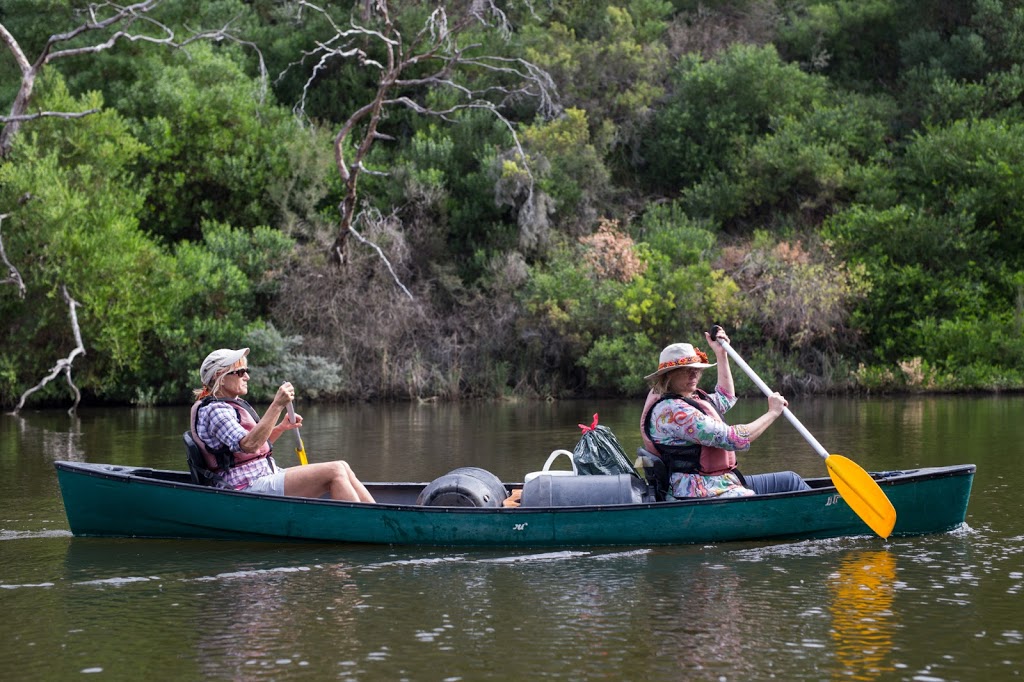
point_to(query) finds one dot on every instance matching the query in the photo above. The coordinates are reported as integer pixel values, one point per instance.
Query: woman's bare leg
(321, 478)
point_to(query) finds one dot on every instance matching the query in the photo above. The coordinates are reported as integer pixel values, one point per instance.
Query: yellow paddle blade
(862, 493)
(301, 452)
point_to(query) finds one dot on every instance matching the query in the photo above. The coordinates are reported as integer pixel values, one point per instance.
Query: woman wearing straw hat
(236, 443)
(684, 427)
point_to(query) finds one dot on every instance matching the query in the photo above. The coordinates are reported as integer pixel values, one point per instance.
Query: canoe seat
(196, 465)
(655, 472)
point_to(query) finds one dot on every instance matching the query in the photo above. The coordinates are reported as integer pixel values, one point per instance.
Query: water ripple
(33, 534)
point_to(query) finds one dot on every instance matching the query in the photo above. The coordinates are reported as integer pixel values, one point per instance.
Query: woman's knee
(343, 467)
(340, 470)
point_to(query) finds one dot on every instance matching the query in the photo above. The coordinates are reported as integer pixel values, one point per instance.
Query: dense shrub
(716, 109)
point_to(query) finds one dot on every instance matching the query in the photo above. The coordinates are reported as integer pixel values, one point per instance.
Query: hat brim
(666, 370)
(233, 359)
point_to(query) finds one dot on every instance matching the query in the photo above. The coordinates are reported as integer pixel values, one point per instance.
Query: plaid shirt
(218, 426)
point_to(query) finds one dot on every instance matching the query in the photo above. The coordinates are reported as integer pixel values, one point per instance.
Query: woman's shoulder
(215, 405)
(673, 403)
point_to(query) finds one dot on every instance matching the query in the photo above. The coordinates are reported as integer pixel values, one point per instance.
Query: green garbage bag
(599, 452)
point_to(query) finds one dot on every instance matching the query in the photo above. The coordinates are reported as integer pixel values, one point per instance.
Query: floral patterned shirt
(676, 422)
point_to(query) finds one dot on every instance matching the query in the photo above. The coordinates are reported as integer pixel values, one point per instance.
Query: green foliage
(718, 108)
(216, 298)
(572, 172)
(843, 193)
(575, 312)
(941, 253)
(919, 265)
(215, 152)
(259, 254)
(973, 169)
(620, 363)
(607, 61)
(855, 41)
(446, 180)
(145, 314)
(75, 225)
(805, 166)
(566, 306)
(276, 358)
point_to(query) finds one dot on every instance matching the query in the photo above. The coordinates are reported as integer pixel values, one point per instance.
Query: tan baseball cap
(218, 360)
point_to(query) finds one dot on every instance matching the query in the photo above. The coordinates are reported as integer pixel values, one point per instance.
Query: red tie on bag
(593, 425)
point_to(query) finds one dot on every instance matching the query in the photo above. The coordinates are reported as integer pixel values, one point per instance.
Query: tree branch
(380, 252)
(437, 41)
(13, 277)
(63, 365)
(126, 15)
(51, 114)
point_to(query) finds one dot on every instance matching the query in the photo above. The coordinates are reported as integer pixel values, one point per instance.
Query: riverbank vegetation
(482, 199)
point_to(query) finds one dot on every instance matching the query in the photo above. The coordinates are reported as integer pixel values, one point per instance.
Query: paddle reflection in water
(862, 618)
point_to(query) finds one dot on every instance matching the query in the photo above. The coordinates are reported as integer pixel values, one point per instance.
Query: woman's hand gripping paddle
(301, 450)
(854, 484)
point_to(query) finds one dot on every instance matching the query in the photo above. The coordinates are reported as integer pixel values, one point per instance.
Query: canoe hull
(113, 501)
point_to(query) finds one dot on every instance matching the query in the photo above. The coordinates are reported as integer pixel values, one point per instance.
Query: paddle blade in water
(862, 493)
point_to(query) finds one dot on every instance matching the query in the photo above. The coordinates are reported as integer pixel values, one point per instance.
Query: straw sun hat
(680, 355)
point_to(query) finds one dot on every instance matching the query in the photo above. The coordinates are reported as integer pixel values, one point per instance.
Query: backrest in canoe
(196, 464)
(655, 472)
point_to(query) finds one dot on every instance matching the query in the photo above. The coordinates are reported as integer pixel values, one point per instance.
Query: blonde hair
(206, 391)
(660, 383)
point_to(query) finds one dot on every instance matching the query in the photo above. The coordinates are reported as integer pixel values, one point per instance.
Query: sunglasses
(238, 372)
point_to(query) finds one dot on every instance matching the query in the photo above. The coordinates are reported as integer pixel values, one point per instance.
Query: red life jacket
(692, 458)
(218, 460)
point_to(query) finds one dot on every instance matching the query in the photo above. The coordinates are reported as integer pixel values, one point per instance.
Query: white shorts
(271, 484)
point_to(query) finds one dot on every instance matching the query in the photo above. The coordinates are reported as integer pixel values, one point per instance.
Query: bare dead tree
(63, 365)
(13, 276)
(436, 45)
(382, 256)
(99, 17)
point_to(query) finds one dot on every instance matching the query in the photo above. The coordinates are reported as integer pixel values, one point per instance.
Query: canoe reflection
(862, 617)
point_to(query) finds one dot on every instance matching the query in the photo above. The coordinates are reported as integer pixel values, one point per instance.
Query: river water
(938, 607)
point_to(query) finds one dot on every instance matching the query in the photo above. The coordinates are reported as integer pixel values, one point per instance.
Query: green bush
(807, 166)
(716, 109)
(75, 225)
(215, 152)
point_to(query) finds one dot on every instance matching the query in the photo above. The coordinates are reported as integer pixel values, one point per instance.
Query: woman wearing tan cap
(236, 443)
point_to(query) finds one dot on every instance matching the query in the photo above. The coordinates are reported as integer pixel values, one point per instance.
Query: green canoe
(119, 501)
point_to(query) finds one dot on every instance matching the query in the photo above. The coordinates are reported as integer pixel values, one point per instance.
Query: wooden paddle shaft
(767, 391)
